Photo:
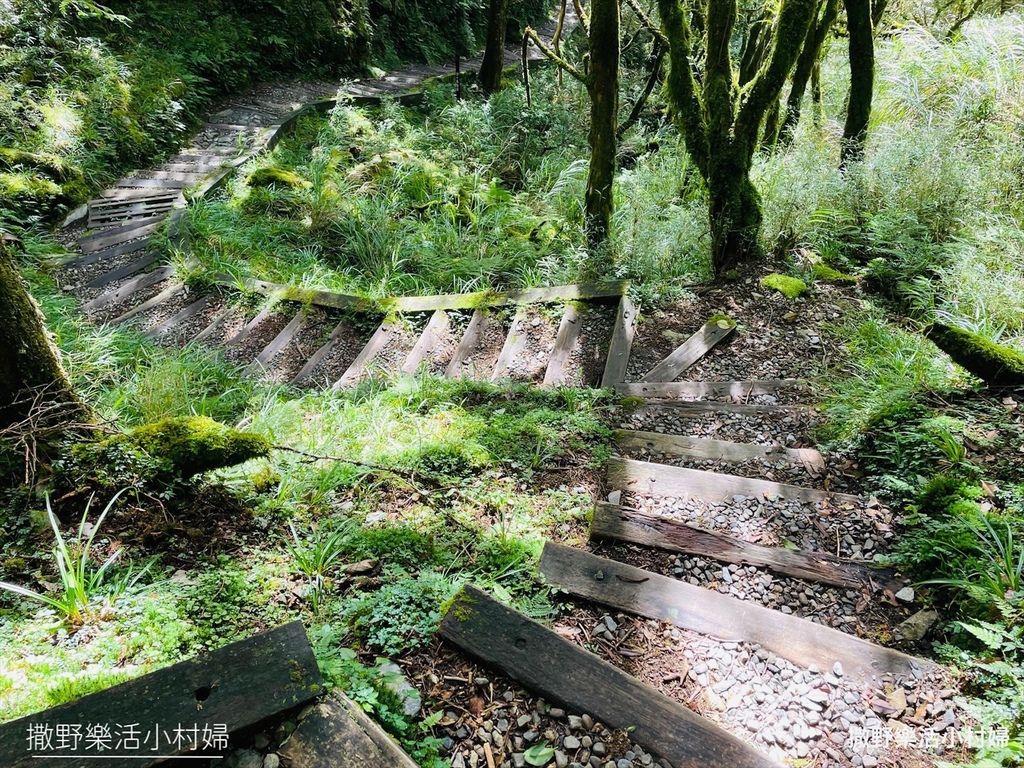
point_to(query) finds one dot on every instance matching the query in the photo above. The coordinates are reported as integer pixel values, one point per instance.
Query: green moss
(992, 363)
(721, 319)
(790, 287)
(275, 177)
(826, 274)
(185, 447)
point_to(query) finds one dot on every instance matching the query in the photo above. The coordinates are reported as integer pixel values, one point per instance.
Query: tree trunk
(604, 107)
(862, 78)
(494, 53)
(30, 368)
(809, 57)
(734, 208)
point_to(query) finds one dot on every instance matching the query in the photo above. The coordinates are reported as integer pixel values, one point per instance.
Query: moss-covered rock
(790, 287)
(275, 177)
(992, 363)
(826, 274)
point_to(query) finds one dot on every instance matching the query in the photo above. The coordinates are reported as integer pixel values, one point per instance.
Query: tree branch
(531, 33)
(688, 106)
(583, 16)
(647, 22)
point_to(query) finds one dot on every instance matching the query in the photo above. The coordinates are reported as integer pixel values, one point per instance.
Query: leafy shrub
(403, 614)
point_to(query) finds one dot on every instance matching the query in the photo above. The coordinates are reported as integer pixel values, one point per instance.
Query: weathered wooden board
(301, 295)
(134, 182)
(717, 450)
(107, 253)
(699, 408)
(166, 294)
(122, 272)
(427, 342)
(653, 479)
(338, 734)
(558, 293)
(380, 339)
(187, 174)
(124, 233)
(321, 353)
(186, 313)
(279, 342)
(565, 673)
(621, 344)
(231, 688)
(127, 289)
(615, 522)
(212, 326)
(469, 341)
(249, 327)
(690, 351)
(515, 343)
(698, 390)
(729, 619)
(565, 343)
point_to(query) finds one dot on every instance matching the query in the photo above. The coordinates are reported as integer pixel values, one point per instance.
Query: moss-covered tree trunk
(30, 370)
(721, 120)
(603, 85)
(494, 53)
(862, 78)
(809, 58)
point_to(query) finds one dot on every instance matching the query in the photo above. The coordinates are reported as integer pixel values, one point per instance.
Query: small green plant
(318, 554)
(82, 596)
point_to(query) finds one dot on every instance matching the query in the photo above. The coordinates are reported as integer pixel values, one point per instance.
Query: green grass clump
(273, 177)
(790, 287)
(827, 274)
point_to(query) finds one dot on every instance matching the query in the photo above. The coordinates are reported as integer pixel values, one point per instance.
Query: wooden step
(717, 450)
(279, 342)
(564, 673)
(612, 521)
(740, 391)
(184, 314)
(134, 182)
(211, 326)
(515, 343)
(691, 350)
(122, 272)
(321, 353)
(185, 171)
(126, 195)
(380, 339)
(700, 407)
(107, 253)
(427, 342)
(621, 344)
(339, 734)
(652, 479)
(565, 344)
(165, 295)
(470, 340)
(121, 216)
(127, 289)
(725, 618)
(249, 327)
(228, 690)
(122, 234)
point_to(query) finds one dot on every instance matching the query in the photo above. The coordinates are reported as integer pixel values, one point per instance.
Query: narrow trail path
(754, 548)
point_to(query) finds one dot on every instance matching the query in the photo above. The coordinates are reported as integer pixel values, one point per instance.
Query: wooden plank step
(700, 407)
(698, 390)
(380, 339)
(107, 253)
(249, 327)
(621, 343)
(187, 313)
(515, 343)
(122, 272)
(279, 342)
(134, 182)
(136, 197)
(558, 293)
(165, 295)
(215, 321)
(725, 618)
(579, 681)
(612, 521)
(106, 219)
(691, 350)
(320, 354)
(185, 171)
(427, 342)
(124, 233)
(338, 734)
(652, 479)
(227, 690)
(127, 289)
(300, 294)
(127, 194)
(717, 450)
(565, 343)
(469, 341)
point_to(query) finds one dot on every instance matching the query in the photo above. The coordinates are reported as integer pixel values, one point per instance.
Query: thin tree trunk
(604, 107)
(862, 78)
(494, 53)
(652, 80)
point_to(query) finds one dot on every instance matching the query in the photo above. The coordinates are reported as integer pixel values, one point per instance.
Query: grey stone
(917, 626)
(571, 742)
(906, 595)
(248, 758)
(395, 681)
(271, 761)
